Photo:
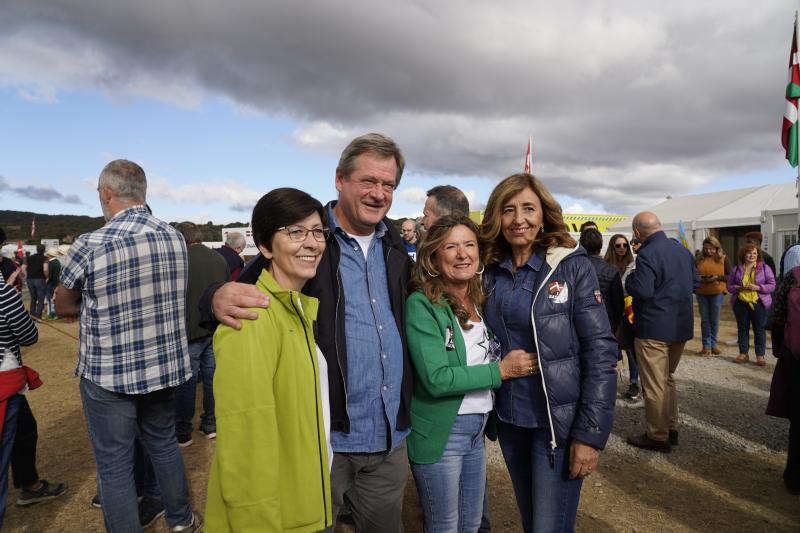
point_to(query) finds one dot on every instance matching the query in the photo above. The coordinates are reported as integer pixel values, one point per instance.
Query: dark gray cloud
(627, 102)
(43, 194)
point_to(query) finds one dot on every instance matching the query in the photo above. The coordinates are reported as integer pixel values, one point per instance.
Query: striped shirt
(16, 327)
(132, 276)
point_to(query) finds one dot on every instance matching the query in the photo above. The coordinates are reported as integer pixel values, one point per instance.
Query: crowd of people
(347, 350)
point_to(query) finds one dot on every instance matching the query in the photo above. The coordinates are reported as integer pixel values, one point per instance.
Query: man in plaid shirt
(127, 280)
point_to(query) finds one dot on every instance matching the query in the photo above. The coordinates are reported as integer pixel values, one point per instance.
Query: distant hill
(17, 225)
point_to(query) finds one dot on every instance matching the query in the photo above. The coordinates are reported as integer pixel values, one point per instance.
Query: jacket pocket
(420, 424)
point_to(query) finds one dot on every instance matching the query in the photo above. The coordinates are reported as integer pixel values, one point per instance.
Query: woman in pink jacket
(751, 283)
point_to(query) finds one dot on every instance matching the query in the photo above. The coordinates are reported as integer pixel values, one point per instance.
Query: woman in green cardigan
(456, 367)
(272, 461)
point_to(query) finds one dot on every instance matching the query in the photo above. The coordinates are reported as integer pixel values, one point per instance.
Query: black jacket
(330, 333)
(662, 287)
(610, 288)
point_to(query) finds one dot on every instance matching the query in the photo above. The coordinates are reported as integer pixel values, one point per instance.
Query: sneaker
(45, 492)
(209, 433)
(704, 351)
(634, 392)
(195, 525)
(184, 440)
(150, 510)
(716, 351)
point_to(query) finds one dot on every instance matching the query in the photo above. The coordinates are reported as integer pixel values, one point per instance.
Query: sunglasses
(621, 245)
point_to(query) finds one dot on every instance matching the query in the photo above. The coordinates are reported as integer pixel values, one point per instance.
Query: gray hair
(235, 239)
(191, 233)
(375, 143)
(125, 178)
(449, 200)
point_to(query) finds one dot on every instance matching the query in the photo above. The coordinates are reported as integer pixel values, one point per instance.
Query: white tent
(735, 209)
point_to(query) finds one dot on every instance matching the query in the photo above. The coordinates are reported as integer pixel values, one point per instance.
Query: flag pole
(797, 180)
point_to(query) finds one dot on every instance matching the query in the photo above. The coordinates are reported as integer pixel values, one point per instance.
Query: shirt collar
(380, 228)
(134, 209)
(534, 262)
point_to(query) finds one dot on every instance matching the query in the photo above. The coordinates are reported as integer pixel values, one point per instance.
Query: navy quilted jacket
(577, 351)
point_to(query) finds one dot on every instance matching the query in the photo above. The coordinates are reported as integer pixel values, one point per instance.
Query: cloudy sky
(626, 101)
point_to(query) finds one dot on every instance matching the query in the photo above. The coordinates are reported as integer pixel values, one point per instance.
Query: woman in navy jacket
(543, 297)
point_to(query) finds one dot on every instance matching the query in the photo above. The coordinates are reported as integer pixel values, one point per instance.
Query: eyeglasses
(621, 245)
(299, 233)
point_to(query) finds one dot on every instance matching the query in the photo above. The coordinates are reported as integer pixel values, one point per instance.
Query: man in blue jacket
(661, 287)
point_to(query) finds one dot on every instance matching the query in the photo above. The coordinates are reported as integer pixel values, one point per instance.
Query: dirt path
(724, 477)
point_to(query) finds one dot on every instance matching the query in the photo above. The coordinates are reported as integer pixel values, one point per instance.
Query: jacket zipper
(552, 454)
(322, 464)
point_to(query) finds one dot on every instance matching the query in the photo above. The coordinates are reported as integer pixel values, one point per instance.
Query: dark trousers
(23, 454)
(758, 318)
(373, 485)
(791, 473)
(38, 290)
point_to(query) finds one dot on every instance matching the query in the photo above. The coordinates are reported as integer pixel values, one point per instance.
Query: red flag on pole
(528, 161)
(789, 137)
(33, 226)
(20, 251)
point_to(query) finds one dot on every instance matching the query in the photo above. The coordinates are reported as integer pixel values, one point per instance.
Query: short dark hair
(755, 236)
(588, 223)
(449, 200)
(282, 207)
(191, 233)
(40, 248)
(592, 240)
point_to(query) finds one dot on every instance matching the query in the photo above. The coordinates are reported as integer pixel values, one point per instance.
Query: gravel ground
(725, 476)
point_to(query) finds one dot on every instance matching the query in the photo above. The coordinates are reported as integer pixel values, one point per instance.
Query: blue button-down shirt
(508, 312)
(374, 347)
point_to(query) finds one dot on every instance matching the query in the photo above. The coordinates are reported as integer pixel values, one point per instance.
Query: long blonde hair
(719, 255)
(425, 275)
(554, 231)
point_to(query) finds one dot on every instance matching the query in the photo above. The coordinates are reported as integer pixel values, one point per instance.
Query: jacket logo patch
(598, 296)
(558, 291)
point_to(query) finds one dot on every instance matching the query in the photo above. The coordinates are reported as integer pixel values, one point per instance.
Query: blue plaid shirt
(132, 278)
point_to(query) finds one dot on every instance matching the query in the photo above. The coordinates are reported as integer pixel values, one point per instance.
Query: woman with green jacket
(272, 462)
(456, 368)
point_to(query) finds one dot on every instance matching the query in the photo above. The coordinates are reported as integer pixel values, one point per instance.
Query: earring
(429, 274)
(480, 271)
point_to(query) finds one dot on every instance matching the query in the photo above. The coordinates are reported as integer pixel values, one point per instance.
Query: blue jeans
(115, 420)
(201, 353)
(744, 318)
(38, 289)
(6, 445)
(709, 306)
(451, 490)
(546, 497)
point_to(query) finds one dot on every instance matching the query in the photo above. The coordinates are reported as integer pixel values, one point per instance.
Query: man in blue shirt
(410, 234)
(361, 284)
